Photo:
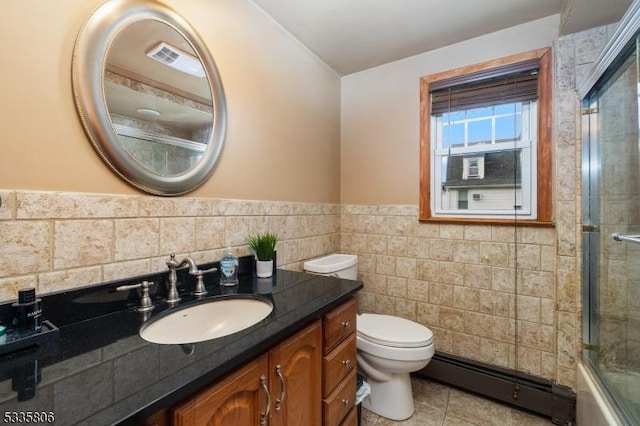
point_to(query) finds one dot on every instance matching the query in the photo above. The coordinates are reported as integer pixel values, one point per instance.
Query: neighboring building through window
(485, 141)
(497, 187)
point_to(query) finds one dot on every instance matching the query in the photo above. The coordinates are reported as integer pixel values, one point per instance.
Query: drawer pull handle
(283, 388)
(346, 402)
(346, 324)
(264, 416)
(346, 363)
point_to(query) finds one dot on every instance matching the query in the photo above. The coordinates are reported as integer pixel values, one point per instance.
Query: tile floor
(441, 405)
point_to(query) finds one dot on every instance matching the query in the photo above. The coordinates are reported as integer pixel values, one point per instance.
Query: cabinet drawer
(338, 364)
(351, 419)
(338, 324)
(338, 404)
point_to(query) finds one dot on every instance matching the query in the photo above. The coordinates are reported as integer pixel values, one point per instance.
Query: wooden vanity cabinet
(309, 379)
(287, 379)
(339, 365)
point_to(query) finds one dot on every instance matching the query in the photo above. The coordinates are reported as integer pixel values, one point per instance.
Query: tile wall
(56, 241)
(460, 281)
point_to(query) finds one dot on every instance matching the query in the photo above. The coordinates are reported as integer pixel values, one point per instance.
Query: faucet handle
(200, 288)
(201, 272)
(145, 301)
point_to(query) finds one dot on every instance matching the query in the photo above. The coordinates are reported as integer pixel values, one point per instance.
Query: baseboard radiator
(524, 391)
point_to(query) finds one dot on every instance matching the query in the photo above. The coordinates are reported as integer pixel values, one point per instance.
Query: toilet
(389, 348)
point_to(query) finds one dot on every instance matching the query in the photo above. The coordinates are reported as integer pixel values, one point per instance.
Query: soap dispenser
(229, 269)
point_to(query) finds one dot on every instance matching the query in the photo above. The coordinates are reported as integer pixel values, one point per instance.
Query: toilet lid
(392, 331)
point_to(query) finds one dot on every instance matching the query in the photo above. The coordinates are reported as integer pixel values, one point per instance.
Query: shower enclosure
(611, 223)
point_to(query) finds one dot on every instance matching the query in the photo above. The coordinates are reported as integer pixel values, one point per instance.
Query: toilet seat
(390, 331)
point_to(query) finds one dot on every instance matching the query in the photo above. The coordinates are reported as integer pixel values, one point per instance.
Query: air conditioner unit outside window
(477, 197)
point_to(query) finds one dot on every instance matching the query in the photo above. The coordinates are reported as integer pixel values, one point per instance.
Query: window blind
(511, 83)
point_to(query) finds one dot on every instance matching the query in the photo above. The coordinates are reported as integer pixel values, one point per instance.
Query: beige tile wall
(460, 281)
(56, 241)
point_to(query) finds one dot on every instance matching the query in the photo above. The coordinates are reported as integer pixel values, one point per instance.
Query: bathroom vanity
(309, 379)
(98, 370)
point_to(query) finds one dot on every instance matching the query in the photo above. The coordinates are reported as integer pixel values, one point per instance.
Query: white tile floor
(439, 405)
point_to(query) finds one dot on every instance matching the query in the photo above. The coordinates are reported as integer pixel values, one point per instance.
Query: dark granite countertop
(96, 370)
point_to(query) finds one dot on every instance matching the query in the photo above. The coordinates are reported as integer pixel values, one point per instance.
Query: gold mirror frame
(88, 79)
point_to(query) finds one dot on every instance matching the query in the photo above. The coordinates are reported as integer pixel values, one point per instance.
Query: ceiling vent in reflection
(177, 59)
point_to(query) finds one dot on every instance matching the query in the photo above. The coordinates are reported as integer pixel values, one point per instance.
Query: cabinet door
(240, 399)
(295, 376)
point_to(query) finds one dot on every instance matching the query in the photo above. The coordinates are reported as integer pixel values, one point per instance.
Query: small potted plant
(263, 245)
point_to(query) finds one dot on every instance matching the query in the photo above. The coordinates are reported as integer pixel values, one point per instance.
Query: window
(485, 145)
(463, 202)
(473, 168)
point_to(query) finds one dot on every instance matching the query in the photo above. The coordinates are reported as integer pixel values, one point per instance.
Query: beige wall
(380, 112)
(283, 138)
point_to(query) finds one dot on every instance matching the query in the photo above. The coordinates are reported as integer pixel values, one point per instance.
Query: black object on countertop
(27, 312)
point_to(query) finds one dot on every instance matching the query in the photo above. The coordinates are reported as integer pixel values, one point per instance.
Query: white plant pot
(264, 268)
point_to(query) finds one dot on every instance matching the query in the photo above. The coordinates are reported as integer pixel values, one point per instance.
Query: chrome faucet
(200, 289)
(172, 281)
(173, 264)
(146, 304)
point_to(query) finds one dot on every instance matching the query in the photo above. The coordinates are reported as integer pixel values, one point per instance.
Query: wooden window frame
(544, 143)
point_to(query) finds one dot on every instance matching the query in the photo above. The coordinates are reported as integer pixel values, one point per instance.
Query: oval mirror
(149, 96)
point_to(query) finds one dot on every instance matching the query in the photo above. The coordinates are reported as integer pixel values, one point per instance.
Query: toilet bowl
(389, 349)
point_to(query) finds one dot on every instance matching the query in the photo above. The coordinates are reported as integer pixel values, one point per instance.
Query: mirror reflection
(149, 96)
(158, 97)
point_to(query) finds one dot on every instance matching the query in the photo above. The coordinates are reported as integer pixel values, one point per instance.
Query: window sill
(492, 221)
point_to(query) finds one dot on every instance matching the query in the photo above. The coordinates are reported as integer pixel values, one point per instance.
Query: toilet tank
(335, 265)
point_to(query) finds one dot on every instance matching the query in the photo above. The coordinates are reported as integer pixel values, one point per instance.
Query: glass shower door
(612, 242)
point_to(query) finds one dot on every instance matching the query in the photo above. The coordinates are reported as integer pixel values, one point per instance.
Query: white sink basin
(205, 321)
